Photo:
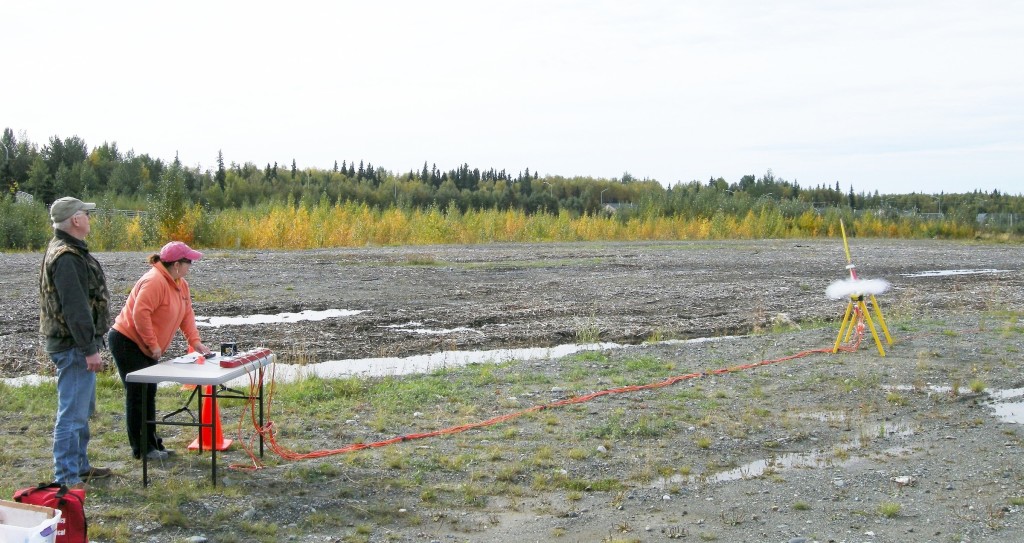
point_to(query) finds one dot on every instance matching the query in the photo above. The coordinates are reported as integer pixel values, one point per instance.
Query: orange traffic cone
(210, 413)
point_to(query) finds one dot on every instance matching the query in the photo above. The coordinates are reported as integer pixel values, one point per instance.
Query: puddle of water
(308, 315)
(417, 328)
(930, 389)
(27, 380)
(391, 366)
(803, 460)
(388, 366)
(888, 428)
(787, 461)
(1006, 411)
(944, 273)
(1007, 394)
(813, 459)
(1012, 412)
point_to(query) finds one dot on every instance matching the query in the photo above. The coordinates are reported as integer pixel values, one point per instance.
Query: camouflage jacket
(74, 301)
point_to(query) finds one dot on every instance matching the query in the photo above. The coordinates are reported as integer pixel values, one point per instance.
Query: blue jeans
(76, 402)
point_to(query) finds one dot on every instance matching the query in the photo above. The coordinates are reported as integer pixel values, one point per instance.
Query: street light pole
(7, 162)
(602, 198)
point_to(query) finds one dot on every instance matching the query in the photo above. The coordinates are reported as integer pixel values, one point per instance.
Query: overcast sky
(898, 97)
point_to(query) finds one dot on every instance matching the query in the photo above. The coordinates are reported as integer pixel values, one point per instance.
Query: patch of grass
(510, 473)
(482, 374)
(421, 260)
(889, 509)
(801, 506)
(588, 331)
(314, 473)
(526, 264)
(451, 462)
(977, 386)
(113, 532)
(472, 495)
(395, 459)
(895, 398)
(650, 427)
(214, 295)
(578, 374)
(656, 336)
(494, 454)
(588, 356)
(578, 453)
(646, 365)
(312, 389)
(582, 485)
(617, 426)
(543, 456)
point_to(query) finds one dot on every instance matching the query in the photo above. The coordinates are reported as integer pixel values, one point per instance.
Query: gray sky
(899, 97)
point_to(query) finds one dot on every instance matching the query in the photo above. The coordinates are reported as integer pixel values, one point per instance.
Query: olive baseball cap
(67, 206)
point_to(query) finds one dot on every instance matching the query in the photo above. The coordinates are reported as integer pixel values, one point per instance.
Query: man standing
(74, 315)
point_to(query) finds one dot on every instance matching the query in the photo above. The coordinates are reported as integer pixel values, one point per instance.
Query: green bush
(23, 226)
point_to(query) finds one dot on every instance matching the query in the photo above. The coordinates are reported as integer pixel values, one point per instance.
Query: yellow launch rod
(857, 306)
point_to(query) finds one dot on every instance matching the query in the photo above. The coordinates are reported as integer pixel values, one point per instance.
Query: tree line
(126, 180)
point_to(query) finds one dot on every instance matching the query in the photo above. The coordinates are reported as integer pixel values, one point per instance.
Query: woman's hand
(201, 349)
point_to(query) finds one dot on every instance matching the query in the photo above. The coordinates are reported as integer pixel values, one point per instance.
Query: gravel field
(846, 447)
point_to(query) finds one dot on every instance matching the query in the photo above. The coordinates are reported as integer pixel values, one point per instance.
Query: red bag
(71, 502)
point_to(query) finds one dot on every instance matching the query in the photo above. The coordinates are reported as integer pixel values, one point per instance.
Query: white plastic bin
(24, 523)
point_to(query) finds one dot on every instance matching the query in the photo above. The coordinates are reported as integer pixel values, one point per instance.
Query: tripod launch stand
(857, 307)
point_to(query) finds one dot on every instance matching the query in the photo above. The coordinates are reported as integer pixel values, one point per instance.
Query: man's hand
(93, 362)
(157, 353)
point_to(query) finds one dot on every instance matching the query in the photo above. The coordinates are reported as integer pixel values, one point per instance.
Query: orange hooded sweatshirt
(157, 306)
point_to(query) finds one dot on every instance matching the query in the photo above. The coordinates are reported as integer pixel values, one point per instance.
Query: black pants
(128, 358)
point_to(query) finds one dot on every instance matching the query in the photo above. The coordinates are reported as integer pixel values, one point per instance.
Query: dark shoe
(156, 455)
(96, 473)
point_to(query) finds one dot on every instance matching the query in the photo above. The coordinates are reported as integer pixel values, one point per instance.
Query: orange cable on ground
(269, 429)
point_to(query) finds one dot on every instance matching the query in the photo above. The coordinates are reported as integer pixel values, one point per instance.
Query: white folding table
(186, 370)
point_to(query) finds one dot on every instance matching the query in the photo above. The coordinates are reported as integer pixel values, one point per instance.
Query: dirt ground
(904, 428)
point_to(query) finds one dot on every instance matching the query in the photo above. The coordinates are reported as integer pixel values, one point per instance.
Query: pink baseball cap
(176, 250)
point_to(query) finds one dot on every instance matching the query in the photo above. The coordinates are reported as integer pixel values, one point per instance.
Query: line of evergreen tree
(136, 181)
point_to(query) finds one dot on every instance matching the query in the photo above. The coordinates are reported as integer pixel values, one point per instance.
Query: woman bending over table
(159, 304)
